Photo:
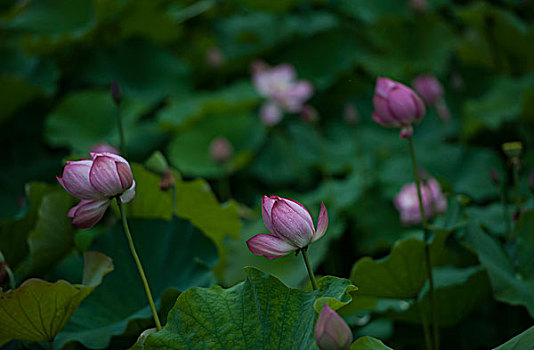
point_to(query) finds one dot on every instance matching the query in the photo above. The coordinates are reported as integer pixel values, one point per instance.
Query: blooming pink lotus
(281, 89)
(331, 331)
(407, 202)
(396, 105)
(290, 225)
(96, 182)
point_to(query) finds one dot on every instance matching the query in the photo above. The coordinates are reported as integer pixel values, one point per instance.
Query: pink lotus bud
(396, 105)
(331, 331)
(429, 87)
(351, 114)
(309, 114)
(116, 92)
(167, 181)
(221, 150)
(96, 182)
(215, 57)
(418, 6)
(290, 226)
(407, 201)
(104, 148)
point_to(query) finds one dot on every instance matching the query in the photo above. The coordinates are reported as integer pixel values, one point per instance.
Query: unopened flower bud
(221, 150)
(167, 181)
(104, 148)
(116, 92)
(396, 105)
(157, 163)
(429, 88)
(351, 114)
(331, 331)
(215, 57)
(494, 176)
(309, 114)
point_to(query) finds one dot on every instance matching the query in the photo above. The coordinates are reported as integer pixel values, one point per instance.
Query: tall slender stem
(426, 329)
(504, 204)
(122, 144)
(515, 168)
(427, 247)
(138, 263)
(308, 267)
(52, 345)
(174, 205)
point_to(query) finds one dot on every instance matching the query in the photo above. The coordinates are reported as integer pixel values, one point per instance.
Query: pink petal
(269, 246)
(270, 113)
(76, 180)
(322, 223)
(104, 176)
(129, 194)
(292, 222)
(88, 213)
(266, 207)
(125, 174)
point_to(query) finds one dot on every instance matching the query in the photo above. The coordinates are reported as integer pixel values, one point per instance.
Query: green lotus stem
(174, 205)
(427, 247)
(504, 204)
(426, 329)
(138, 263)
(515, 169)
(308, 267)
(122, 144)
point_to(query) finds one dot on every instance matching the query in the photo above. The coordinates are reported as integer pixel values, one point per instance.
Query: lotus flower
(396, 105)
(96, 182)
(407, 202)
(430, 88)
(281, 89)
(221, 150)
(331, 331)
(290, 225)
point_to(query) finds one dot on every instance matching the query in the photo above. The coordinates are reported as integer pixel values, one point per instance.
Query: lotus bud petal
(331, 331)
(429, 88)
(396, 105)
(104, 148)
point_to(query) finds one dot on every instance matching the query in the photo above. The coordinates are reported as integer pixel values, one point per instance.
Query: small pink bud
(494, 176)
(429, 88)
(351, 114)
(396, 105)
(167, 181)
(116, 92)
(96, 182)
(215, 57)
(104, 148)
(418, 6)
(270, 114)
(290, 225)
(309, 114)
(221, 150)
(331, 331)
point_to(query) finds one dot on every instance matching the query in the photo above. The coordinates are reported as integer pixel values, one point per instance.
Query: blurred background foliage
(184, 68)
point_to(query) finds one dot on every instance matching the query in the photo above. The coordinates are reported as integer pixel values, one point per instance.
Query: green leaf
(370, 11)
(175, 255)
(140, 343)
(519, 342)
(512, 283)
(402, 274)
(258, 313)
(38, 310)
(368, 343)
(83, 119)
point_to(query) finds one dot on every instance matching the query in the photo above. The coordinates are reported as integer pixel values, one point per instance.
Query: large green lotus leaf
(37, 310)
(145, 71)
(190, 151)
(511, 283)
(323, 70)
(182, 113)
(457, 292)
(174, 254)
(500, 40)
(403, 46)
(400, 275)
(242, 35)
(259, 313)
(83, 119)
(368, 343)
(519, 342)
(35, 242)
(501, 104)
